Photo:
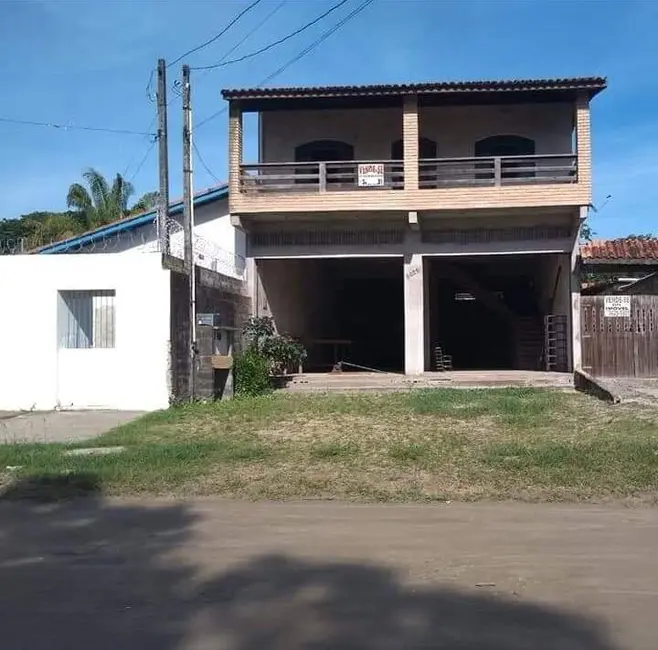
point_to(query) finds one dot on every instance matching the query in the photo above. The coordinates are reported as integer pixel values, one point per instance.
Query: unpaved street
(214, 574)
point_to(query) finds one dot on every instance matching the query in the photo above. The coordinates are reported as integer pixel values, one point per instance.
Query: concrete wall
(291, 292)
(214, 294)
(455, 129)
(35, 373)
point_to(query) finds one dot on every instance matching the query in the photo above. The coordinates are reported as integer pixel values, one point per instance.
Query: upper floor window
(324, 150)
(506, 145)
(426, 149)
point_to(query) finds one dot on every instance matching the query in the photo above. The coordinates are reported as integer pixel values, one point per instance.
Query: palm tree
(102, 203)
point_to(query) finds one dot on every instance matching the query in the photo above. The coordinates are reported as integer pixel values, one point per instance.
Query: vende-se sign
(371, 175)
(617, 306)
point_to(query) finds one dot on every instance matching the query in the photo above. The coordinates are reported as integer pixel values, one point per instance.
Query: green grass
(422, 445)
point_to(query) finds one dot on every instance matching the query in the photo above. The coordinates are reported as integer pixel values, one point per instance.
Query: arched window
(426, 149)
(325, 151)
(506, 145)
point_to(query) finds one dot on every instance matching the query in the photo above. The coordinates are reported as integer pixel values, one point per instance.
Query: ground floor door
(620, 337)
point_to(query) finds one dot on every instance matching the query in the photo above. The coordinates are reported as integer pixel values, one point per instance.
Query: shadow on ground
(94, 573)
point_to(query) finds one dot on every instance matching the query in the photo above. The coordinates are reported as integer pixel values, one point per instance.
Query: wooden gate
(617, 346)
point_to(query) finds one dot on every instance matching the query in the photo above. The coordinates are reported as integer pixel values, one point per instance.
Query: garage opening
(342, 310)
(488, 313)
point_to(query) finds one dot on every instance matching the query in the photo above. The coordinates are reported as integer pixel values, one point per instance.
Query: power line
(220, 34)
(143, 160)
(72, 127)
(324, 36)
(203, 162)
(249, 34)
(301, 29)
(136, 151)
(317, 42)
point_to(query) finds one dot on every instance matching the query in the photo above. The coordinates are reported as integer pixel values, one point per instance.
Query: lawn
(424, 445)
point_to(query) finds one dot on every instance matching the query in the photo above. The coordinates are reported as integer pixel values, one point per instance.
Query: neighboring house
(101, 320)
(385, 222)
(620, 307)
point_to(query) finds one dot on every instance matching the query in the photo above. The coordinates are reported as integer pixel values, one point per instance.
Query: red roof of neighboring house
(629, 249)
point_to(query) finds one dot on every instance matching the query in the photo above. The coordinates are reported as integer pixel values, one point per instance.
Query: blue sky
(87, 62)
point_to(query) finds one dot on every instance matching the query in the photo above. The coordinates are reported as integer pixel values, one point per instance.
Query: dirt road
(212, 574)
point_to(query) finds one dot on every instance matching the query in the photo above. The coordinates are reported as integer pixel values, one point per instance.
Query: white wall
(455, 129)
(36, 374)
(217, 244)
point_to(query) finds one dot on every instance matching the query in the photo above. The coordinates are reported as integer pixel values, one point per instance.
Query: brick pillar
(410, 130)
(414, 315)
(234, 151)
(584, 144)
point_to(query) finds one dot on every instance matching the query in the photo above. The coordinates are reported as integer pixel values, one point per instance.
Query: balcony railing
(497, 170)
(334, 176)
(433, 173)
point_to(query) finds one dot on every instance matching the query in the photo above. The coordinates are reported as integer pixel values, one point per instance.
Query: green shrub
(251, 374)
(281, 350)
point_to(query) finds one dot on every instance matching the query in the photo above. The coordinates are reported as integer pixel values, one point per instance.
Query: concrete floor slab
(221, 575)
(60, 426)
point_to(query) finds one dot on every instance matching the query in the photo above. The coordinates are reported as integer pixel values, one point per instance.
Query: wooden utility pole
(163, 160)
(188, 223)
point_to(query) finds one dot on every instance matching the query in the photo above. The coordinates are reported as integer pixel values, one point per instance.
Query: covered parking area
(347, 310)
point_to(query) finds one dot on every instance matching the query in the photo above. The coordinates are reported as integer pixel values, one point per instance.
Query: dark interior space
(487, 314)
(364, 315)
(342, 310)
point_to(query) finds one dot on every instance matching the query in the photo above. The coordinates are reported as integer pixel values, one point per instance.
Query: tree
(145, 203)
(101, 203)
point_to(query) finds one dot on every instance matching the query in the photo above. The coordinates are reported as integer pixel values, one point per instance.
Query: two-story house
(385, 222)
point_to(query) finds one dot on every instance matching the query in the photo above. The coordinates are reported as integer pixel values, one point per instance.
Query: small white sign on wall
(371, 175)
(617, 306)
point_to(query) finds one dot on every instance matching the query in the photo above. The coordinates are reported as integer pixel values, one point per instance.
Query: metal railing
(497, 170)
(325, 176)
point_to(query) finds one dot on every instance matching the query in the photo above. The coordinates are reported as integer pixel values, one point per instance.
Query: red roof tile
(627, 249)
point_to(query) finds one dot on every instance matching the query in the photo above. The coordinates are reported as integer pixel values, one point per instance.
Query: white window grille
(86, 319)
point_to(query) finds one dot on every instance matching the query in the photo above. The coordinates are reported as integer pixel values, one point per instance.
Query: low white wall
(35, 373)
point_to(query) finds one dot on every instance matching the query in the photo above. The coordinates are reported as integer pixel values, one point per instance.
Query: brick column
(414, 315)
(410, 131)
(584, 144)
(234, 151)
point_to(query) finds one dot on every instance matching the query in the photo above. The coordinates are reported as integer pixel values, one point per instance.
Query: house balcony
(432, 184)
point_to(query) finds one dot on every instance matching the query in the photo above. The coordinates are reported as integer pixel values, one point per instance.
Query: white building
(90, 322)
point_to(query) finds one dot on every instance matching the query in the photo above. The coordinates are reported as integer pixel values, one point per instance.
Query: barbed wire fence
(207, 253)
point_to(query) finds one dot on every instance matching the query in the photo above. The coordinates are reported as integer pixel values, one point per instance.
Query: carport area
(341, 309)
(488, 312)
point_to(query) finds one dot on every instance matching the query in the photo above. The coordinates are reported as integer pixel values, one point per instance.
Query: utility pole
(188, 224)
(163, 160)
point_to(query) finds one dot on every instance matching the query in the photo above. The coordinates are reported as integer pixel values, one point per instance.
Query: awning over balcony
(435, 93)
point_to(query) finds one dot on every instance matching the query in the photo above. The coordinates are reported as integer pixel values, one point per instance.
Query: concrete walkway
(220, 575)
(59, 426)
(371, 381)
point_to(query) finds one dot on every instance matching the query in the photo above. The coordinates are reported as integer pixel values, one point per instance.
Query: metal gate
(615, 346)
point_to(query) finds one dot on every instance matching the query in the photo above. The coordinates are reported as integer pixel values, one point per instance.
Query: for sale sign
(371, 175)
(617, 306)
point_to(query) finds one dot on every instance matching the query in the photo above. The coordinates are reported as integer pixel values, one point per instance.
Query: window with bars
(86, 319)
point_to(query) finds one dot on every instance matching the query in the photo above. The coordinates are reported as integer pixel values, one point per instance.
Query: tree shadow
(105, 574)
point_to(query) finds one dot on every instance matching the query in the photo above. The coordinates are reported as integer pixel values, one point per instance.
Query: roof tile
(629, 248)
